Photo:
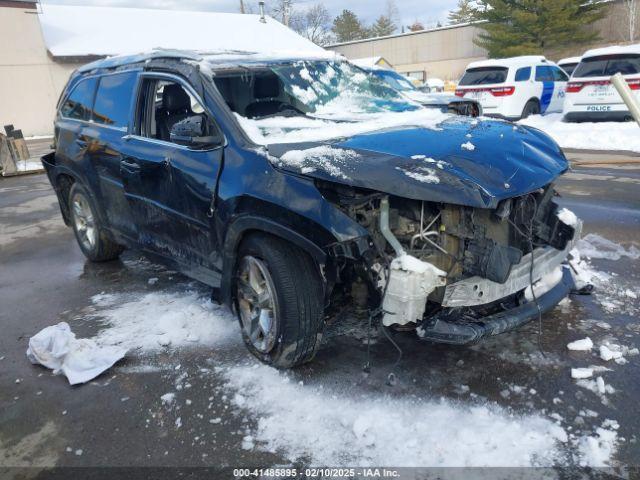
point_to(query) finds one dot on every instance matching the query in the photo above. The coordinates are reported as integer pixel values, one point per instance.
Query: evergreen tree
(382, 27)
(522, 27)
(347, 27)
(464, 13)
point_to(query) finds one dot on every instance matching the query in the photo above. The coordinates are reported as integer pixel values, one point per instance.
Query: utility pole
(242, 6)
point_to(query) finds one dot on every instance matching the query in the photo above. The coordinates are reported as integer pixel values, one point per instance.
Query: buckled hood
(475, 163)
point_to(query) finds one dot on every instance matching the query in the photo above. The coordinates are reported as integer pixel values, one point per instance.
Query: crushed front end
(453, 273)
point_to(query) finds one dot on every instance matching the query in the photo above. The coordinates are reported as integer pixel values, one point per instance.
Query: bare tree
(632, 8)
(317, 26)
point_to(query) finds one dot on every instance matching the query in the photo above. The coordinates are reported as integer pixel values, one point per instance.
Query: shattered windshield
(331, 89)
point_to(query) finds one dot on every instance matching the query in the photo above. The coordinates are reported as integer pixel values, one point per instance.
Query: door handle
(130, 167)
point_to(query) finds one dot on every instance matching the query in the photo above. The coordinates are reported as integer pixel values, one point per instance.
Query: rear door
(545, 80)
(170, 187)
(560, 79)
(104, 137)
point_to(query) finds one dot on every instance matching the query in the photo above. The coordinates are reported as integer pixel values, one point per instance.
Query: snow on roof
(614, 50)
(569, 60)
(508, 62)
(371, 62)
(80, 31)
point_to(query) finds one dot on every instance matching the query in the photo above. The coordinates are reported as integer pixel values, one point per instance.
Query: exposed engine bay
(432, 262)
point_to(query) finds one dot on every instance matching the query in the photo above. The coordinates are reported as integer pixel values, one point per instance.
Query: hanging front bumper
(459, 333)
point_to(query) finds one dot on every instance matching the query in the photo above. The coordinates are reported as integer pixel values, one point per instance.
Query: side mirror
(192, 132)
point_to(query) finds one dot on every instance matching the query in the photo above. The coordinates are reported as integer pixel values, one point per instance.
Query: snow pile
(327, 428)
(595, 246)
(589, 136)
(327, 158)
(421, 174)
(306, 129)
(80, 360)
(595, 451)
(568, 217)
(155, 320)
(581, 345)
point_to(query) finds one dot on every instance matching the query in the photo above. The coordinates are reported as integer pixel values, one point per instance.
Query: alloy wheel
(256, 303)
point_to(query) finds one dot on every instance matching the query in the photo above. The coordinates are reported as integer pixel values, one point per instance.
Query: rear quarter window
(607, 65)
(78, 103)
(523, 74)
(113, 99)
(484, 76)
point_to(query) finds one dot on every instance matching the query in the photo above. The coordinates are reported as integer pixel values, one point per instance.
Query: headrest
(266, 87)
(175, 98)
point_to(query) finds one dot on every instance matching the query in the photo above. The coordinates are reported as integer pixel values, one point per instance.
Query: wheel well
(534, 99)
(224, 294)
(64, 183)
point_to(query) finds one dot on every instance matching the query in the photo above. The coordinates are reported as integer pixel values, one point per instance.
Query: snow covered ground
(324, 422)
(588, 136)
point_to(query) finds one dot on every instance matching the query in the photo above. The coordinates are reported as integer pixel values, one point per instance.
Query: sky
(426, 11)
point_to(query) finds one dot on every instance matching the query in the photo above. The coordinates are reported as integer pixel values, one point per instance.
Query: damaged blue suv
(283, 182)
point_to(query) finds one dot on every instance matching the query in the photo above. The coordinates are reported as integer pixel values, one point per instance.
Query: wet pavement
(120, 420)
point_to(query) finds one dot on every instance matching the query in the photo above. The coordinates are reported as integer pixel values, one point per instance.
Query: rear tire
(91, 235)
(279, 299)
(531, 108)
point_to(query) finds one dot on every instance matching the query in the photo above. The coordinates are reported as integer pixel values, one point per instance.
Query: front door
(170, 186)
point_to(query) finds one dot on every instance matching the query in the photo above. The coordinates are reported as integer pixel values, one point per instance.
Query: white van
(590, 94)
(514, 88)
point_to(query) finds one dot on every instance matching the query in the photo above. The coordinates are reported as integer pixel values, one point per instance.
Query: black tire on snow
(299, 300)
(104, 249)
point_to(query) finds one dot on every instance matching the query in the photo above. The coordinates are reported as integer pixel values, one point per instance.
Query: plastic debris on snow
(584, 344)
(80, 360)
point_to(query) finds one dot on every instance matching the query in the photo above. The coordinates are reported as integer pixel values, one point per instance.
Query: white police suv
(590, 94)
(514, 88)
(569, 64)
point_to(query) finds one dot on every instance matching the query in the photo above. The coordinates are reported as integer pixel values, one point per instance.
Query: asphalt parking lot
(219, 413)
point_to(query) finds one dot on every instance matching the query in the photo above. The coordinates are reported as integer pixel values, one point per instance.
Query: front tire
(91, 235)
(531, 108)
(279, 300)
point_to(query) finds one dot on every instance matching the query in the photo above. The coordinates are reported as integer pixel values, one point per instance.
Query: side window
(559, 75)
(113, 99)
(523, 74)
(167, 111)
(78, 104)
(544, 73)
